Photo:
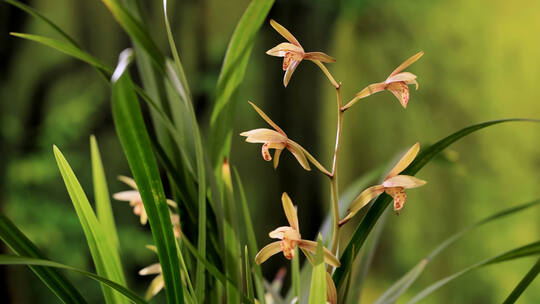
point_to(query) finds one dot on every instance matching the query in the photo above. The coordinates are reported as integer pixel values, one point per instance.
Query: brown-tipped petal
(263, 135)
(265, 153)
(407, 63)
(156, 286)
(129, 196)
(405, 161)
(371, 89)
(268, 251)
(290, 70)
(404, 181)
(331, 292)
(276, 157)
(401, 91)
(399, 197)
(128, 181)
(284, 32)
(290, 211)
(298, 154)
(266, 118)
(152, 269)
(279, 232)
(283, 48)
(319, 56)
(311, 246)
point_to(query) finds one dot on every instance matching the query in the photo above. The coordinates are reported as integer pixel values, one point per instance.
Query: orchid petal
(172, 203)
(405, 161)
(276, 157)
(268, 251)
(311, 246)
(290, 211)
(265, 153)
(266, 118)
(331, 292)
(299, 154)
(279, 232)
(401, 91)
(144, 216)
(407, 63)
(371, 89)
(403, 181)
(129, 196)
(319, 56)
(152, 269)
(128, 181)
(263, 135)
(290, 70)
(283, 48)
(284, 32)
(361, 200)
(156, 286)
(405, 77)
(399, 197)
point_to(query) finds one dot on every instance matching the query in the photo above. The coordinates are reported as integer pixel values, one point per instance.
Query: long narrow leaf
(45, 264)
(21, 245)
(380, 204)
(523, 284)
(317, 292)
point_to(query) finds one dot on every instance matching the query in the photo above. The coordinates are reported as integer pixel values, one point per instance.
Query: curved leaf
(524, 283)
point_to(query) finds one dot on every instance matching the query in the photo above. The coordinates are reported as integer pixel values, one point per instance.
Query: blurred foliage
(481, 63)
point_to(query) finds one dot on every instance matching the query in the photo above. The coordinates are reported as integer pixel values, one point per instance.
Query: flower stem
(327, 73)
(334, 178)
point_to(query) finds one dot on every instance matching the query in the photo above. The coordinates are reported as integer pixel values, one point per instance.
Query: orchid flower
(396, 83)
(289, 237)
(274, 139)
(135, 200)
(393, 184)
(292, 52)
(157, 283)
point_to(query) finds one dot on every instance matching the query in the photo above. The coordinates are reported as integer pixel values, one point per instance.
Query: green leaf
(45, 264)
(101, 194)
(317, 291)
(136, 144)
(295, 266)
(232, 75)
(104, 254)
(524, 283)
(398, 288)
(524, 251)
(249, 281)
(380, 204)
(20, 244)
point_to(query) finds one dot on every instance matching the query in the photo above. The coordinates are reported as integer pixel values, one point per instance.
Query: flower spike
(292, 52)
(397, 83)
(289, 237)
(393, 184)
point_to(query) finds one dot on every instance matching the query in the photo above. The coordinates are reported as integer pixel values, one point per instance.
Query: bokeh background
(481, 62)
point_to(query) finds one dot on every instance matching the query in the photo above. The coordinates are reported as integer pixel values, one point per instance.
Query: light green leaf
(317, 291)
(21, 245)
(104, 254)
(121, 290)
(232, 75)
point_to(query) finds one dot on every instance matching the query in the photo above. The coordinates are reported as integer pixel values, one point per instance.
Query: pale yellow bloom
(292, 52)
(393, 184)
(397, 83)
(135, 200)
(274, 139)
(289, 237)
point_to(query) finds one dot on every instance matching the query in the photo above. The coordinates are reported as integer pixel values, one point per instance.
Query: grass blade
(231, 76)
(524, 251)
(295, 266)
(317, 292)
(398, 288)
(380, 204)
(136, 144)
(524, 283)
(101, 194)
(249, 281)
(104, 254)
(21, 245)
(121, 290)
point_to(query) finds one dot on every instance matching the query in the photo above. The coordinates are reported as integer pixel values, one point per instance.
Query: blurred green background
(481, 62)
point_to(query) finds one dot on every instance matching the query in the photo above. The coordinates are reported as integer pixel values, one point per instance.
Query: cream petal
(290, 211)
(276, 157)
(279, 232)
(290, 70)
(129, 196)
(263, 135)
(284, 32)
(371, 89)
(172, 203)
(152, 269)
(156, 286)
(361, 200)
(403, 181)
(405, 77)
(311, 246)
(283, 48)
(266, 118)
(319, 56)
(128, 181)
(144, 217)
(401, 91)
(399, 197)
(298, 154)
(268, 251)
(405, 161)
(407, 63)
